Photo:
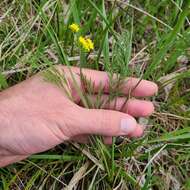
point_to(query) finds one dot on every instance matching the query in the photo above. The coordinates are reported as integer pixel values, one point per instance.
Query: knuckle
(109, 122)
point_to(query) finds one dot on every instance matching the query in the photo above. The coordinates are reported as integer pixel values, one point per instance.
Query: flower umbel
(83, 43)
(86, 43)
(74, 27)
(90, 44)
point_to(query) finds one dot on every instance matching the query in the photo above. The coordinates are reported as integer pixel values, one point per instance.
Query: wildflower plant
(53, 75)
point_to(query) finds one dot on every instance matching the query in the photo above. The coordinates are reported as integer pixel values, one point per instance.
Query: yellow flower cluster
(74, 27)
(86, 43)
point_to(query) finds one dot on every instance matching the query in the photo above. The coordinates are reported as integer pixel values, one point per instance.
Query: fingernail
(128, 125)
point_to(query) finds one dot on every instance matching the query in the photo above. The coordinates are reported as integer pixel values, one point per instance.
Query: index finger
(136, 87)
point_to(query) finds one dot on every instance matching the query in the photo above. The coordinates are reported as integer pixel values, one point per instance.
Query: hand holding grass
(37, 115)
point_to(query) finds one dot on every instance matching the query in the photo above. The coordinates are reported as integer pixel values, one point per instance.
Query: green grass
(144, 38)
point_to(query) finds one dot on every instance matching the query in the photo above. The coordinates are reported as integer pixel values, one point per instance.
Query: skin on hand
(37, 115)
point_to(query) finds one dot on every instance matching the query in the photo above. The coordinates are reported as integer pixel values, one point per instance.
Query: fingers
(6, 160)
(99, 79)
(140, 88)
(104, 122)
(134, 107)
(137, 133)
(107, 139)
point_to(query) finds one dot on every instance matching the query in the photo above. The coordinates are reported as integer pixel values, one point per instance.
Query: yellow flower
(74, 27)
(90, 44)
(87, 44)
(83, 43)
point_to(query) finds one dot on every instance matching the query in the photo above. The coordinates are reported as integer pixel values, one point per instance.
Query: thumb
(106, 122)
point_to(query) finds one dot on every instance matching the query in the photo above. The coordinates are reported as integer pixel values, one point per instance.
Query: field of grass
(149, 39)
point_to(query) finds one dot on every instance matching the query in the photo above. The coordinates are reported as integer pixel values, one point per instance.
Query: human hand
(37, 115)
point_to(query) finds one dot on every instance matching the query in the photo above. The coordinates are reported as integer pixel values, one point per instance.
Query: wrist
(3, 112)
(5, 157)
